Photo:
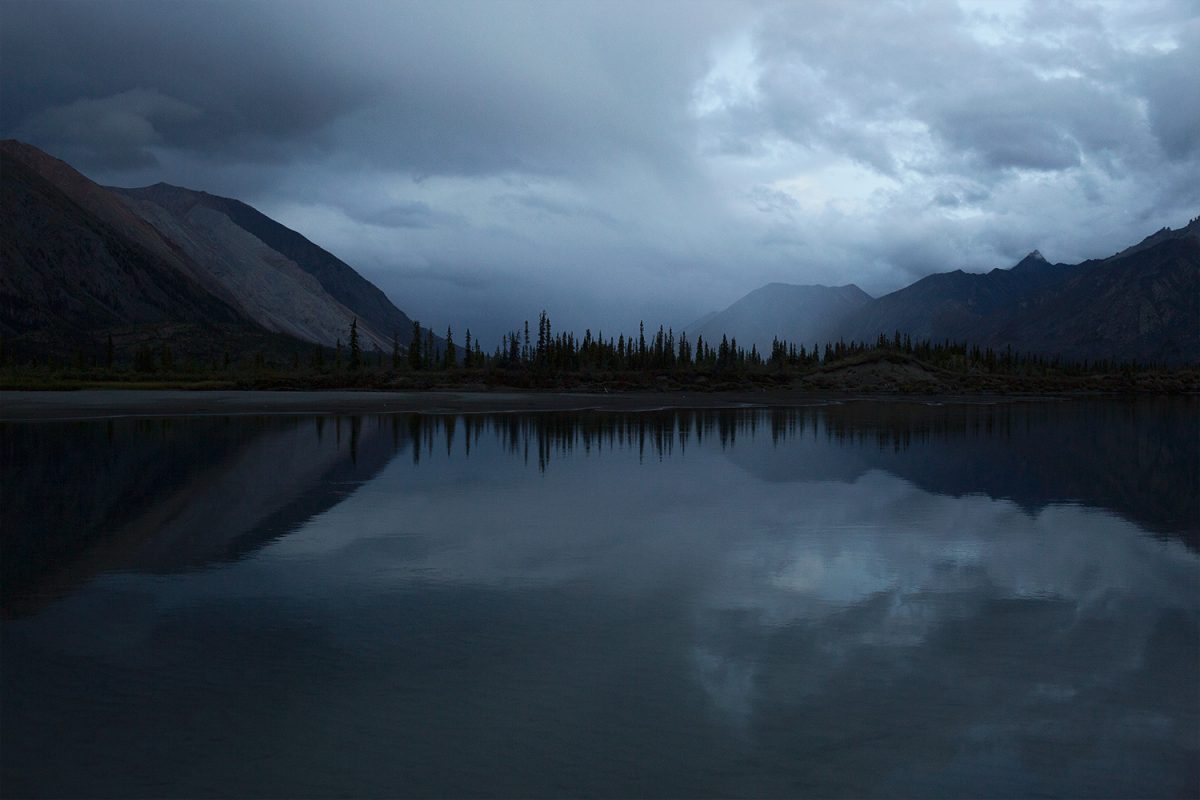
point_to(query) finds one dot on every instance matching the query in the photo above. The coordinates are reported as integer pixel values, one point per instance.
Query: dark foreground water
(869, 599)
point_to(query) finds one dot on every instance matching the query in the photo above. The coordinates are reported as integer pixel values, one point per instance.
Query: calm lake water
(861, 599)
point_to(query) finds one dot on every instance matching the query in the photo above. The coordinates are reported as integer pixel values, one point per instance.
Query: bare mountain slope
(82, 262)
(800, 314)
(952, 305)
(1141, 304)
(240, 268)
(281, 279)
(76, 259)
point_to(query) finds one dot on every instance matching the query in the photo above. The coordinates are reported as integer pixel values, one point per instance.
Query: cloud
(122, 128)
(404, 215)
(609, 162)
(1174, 112)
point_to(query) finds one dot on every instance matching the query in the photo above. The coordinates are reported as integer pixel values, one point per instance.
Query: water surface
(862, 599)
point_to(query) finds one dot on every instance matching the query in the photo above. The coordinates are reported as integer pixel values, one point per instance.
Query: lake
(848, 599)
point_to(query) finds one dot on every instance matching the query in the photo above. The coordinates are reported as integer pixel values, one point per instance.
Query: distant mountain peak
(1034, 259)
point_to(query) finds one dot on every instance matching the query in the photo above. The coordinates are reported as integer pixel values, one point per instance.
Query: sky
(611, 161)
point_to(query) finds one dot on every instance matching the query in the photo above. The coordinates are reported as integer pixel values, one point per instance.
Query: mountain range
(84, 263)
(1141, 304)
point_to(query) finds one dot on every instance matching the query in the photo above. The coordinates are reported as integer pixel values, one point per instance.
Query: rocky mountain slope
(1141, 304)
(76, 259)
(272, 274)
(83, 262)
(800, 314)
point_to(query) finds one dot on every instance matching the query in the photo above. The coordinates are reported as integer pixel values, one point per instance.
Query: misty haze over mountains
(1141, 303)
(611, 162)
(84, 261)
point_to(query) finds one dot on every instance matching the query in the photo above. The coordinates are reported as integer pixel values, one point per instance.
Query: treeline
(547, 352)
(538, 357)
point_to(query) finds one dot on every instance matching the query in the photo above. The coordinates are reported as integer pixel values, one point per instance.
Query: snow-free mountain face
(951, 304)
(1140, 304)
(799, 314)
(306, 292)
(1143, 305)
(76, 259)
(82, 261)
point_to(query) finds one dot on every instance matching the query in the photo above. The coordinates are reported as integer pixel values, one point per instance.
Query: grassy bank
(874, 372)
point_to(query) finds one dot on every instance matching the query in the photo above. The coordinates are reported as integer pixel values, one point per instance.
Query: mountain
(77, 259)
(1141, 304)
(82, 261)
(798, 314)
(270, 273)
(154, 509)
(952, 305)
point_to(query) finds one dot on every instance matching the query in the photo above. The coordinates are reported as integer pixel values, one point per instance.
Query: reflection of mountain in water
(1140, 459)
(168, 495)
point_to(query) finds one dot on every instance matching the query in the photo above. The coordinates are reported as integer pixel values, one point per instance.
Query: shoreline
(97, 404)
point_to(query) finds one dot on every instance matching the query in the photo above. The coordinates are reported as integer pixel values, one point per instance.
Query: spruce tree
(414, 347)
(355, 348)
(448, 363)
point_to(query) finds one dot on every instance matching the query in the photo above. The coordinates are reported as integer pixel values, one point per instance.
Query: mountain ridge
(379, 315)
(752, 318)
(84, 262)
(1142, 303)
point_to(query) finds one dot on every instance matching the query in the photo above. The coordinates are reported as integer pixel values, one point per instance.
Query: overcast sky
(611, 161)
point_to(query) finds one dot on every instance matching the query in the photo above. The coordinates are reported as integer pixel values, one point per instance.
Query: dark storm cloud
(256, 79)
(468, 89)
(1174, 109)
(611, 160)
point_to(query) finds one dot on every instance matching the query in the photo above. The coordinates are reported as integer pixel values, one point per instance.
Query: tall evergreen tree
(355, 347)
(449, 360)
(414, 347)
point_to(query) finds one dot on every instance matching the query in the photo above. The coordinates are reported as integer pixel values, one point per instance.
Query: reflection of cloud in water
(853, 634)
(788, 591)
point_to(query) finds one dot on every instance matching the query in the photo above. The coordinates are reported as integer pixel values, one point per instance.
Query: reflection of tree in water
(1139, 458)
(82, 497)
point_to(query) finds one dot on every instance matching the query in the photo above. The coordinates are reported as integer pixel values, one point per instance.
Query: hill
(794, 313)
(83, 263)
(272, 274)
(1141, 304)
